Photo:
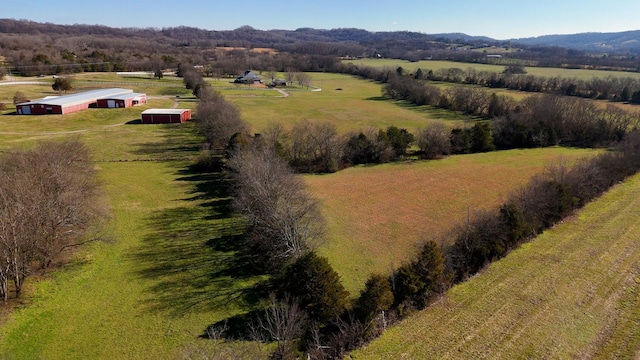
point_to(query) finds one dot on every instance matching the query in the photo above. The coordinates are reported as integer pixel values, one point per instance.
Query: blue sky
(500, 19)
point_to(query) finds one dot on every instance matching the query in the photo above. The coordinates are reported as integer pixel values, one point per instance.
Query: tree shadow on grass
(193, 256)
(178, 141)
(377, 98)
(434, 112)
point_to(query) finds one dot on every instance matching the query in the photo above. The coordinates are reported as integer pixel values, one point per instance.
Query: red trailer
(165, 116)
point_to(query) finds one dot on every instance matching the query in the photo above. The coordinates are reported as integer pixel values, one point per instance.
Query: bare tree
(218, 119)
(276, 138)
(290, 75)
(284, 220)
(48, 200)
(271, 74)
(19, 97)
(434, 141)
(303, 79)
(283, 321)
(314, 147)
(472, 101)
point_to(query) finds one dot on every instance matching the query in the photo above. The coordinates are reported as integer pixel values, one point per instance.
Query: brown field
(257, 50)
(572, 293)
(377, 215)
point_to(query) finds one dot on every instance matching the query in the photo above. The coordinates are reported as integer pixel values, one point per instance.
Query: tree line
(309, 312)
(514, 77)
(49, 203)
(538, 121)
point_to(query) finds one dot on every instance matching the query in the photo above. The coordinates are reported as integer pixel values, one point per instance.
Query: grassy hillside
(571, 293)
(167, 268)
(378, 215)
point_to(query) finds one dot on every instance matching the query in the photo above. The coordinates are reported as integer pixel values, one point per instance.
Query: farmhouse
(68, 103)
(122, 101)
(249, 77)
(165, 116)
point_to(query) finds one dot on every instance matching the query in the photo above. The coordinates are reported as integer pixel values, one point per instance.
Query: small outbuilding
(122, 101)
(165, 116)
(68, 103)
(248, 77)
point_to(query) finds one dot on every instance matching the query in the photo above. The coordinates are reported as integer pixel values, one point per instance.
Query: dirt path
(284, 93)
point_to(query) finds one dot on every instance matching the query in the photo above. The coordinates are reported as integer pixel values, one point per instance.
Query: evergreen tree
(316, 286)
(481, 138)
(420, 281)
(375, 298)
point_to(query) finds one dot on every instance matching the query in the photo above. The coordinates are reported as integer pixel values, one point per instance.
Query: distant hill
(464, 37)
(57, 48)
(616, 42)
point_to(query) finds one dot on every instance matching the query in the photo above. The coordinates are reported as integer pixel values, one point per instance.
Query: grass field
(434, 65)
(571, 293)
(170, 265)
(165, 275)
(378, 215)
(356, 106)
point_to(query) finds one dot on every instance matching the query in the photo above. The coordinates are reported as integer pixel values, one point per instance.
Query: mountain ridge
(599, 42)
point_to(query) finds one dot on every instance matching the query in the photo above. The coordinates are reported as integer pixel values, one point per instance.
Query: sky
(498, 19)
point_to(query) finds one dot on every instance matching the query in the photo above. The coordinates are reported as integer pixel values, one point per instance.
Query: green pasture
(168, 265)
(572, 293)
(166, 270)
(345, 101)
(583, 74)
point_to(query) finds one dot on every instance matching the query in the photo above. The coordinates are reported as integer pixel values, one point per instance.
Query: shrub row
(547, 199)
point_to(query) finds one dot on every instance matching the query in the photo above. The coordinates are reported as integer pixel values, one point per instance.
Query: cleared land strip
(568, 294)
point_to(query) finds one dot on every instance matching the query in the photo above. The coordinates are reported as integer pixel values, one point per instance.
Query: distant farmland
(584, 74)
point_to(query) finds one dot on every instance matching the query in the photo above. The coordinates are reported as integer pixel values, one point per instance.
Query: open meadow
(349, 103)
(378, 215)
(169, 265)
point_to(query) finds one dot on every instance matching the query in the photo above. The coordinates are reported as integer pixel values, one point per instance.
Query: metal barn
(122, 101)
(165, 116)
(67, 103)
